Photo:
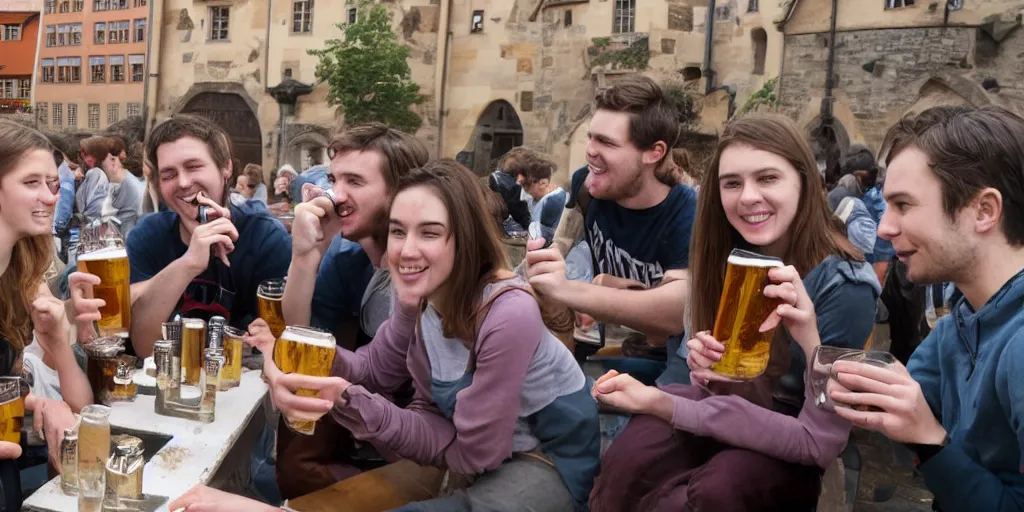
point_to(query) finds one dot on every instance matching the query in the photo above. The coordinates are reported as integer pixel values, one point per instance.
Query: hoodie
(861, 229)
(91, 193)
(969, 369)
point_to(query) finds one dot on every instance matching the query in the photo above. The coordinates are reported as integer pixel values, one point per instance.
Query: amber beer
(193, 338)
(305, 351)
(12, 409)
(111, 266)
(231, 375)
(269, 297)
(741, 311)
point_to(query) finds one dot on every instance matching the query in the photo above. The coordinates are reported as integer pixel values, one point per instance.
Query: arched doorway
(829, 142)
(234, 115)
(497, 131)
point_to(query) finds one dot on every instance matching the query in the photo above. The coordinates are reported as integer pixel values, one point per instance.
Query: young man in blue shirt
(638, 225)
(179, 265)
(955, 195)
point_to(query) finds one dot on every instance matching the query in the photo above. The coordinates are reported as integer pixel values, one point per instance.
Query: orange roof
(18, 57)
(10, 18)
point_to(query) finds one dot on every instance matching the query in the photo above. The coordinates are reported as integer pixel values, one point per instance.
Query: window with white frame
(51, 35)
(64, 6)
(101, 5)
(94, 116)
(116, 68)
(896, 4)
(69, 70)
(41, 112)
(113, 113)
(72, 115)
(58, 115)
(100, 33)
(624, 16)
(133, 110)
(136, 65)
(12, 32)
(139, 3)
(97, 70)
(48, 67)
(140, 30)
(353, 15)
(50, 6)
(302, 16)
(77, 5)
(219, 15)
(7, 88)
(25, 89)
(119, 32)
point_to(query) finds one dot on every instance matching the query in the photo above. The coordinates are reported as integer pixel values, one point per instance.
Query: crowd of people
(457, 352)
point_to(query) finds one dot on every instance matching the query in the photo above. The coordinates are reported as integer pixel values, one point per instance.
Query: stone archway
(497, 131)
(234, 113)
(306, 146)
(829, 141)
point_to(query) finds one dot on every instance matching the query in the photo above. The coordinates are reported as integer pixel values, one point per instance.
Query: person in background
(686, 171)
(858, 226)
(151, 199)
(548, 198)
(91, 191)
(135, 160)
(690, 447)
(955, 212)
(638, 227)
(67, 169)
(505, 181)
(124, 190)
(498, 397)
(249, 182)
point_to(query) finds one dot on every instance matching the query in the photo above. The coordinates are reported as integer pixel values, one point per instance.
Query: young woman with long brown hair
(498, 397)
(761, 444)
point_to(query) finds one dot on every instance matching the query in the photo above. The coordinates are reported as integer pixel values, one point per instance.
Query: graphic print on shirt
(619, 263)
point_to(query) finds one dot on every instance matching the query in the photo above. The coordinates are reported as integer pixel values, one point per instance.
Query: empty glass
(822, 371)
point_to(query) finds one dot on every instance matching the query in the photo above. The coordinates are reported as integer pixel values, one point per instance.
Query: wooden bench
(377, 490)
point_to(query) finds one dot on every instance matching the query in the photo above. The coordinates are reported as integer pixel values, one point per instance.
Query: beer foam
(193, 323)
(109, 253)
(747, 261)
(275, 298)
(305, 336)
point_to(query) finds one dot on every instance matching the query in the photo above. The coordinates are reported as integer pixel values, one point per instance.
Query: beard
(630, 184)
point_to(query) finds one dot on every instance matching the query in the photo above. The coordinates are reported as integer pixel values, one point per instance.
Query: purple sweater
(814, 438)
(479, 436)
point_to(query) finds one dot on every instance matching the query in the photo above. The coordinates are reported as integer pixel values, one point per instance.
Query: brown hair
(516, 159)
(497, 208)
(479, 253)
(99, 146)
(31, 256)
(814, 234)
(136, 157)
(188, 125)
(651, 118)
(970, 149)
(400, 151)
(254, 172)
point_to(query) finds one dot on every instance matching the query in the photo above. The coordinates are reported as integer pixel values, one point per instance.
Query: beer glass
(872, 358)
(741, 311)
(232, 374)
(12, 409)
(306, 351)
(820, 366)
(269, 296)
(193, 340)
(93, 452)
(110, 264)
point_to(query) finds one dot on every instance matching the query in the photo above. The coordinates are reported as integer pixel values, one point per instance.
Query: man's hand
(218, 232)
(51, 418)
(905, 416)
(284, 387)
(204, 499)
(545, 269)
(625, 392)
(260, 337)
(9, 450)
(314, 226)
(281, 184)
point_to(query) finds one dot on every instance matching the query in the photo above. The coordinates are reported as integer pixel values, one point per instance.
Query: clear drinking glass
(821, 371)
(93, 452)
(871, 357)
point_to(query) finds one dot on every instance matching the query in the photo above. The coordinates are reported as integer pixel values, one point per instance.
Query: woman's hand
(796, 312)
(284, 389)
(702, 352)
(204, 499)
(623, 391)
(260, 337)
(51, 417)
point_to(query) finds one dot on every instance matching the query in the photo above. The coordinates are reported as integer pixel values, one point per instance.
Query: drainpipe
(709, 35)
(151, 85)
(444, 37)
(266, 89)
(826, 104)
(35, 71)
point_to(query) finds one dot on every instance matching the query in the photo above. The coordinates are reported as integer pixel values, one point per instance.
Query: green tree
(367, 72)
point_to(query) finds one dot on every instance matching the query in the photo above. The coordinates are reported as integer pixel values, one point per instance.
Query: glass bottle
(124, 469)
(93, 452)
(69, 462)
(125, 389)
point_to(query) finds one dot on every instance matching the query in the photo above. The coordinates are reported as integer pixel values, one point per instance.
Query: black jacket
(510, 191)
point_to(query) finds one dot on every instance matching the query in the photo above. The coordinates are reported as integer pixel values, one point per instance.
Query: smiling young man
(955, 196)
(179, 265)
(638, 227)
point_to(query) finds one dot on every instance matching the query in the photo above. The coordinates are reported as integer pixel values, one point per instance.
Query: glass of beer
(193, 340)
(110, 264)
(12, 409)
(306, 351)
(93, 452)
(231, 376)
(820, 366)
(269, 296)
(741, 311)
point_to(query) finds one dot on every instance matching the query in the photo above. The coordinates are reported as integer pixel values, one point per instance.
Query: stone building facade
(890, 62)
(494, 73)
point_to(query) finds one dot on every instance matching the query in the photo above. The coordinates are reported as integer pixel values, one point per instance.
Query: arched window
(759, 40)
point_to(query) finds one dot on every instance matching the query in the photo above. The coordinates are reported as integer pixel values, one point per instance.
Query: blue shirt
(263, 251)
(344, 274)
(875, 203)
(639, 244)
(66, 202)
(970, 369)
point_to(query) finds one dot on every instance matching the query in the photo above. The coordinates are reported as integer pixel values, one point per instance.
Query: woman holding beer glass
(498, 398)
(759, 443)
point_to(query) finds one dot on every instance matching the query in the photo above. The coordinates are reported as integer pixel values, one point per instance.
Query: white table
(192, 456)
